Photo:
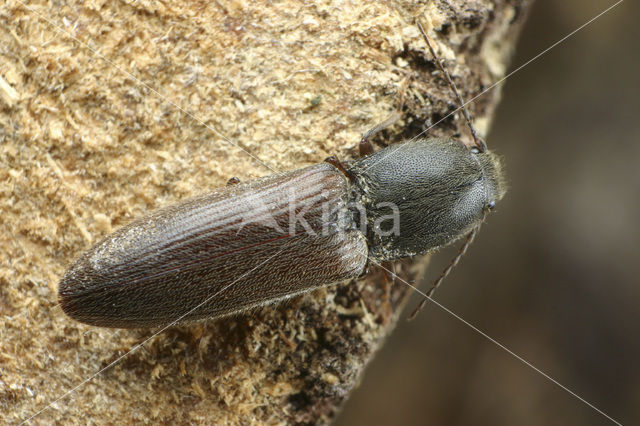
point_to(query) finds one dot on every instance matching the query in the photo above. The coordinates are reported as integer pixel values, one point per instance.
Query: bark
(86, 147)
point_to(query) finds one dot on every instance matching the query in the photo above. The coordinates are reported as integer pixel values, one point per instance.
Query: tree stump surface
(94, 133)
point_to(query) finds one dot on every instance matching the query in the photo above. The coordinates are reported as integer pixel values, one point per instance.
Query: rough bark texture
(85, 147)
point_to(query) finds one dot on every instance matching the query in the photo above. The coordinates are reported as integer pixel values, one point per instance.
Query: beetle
(256, 243)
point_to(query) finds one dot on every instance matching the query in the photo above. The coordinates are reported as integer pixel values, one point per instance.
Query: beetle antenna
(446, 271)
(477, 140)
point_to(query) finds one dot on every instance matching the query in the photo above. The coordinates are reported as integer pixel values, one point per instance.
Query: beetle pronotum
(255, 243)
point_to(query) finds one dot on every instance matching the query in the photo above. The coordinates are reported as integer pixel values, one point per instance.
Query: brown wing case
(227, 251)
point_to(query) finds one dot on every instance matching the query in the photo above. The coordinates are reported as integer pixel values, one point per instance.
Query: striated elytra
(255, 243)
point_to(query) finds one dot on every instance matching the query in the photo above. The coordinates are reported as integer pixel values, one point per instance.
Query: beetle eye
(491, 205)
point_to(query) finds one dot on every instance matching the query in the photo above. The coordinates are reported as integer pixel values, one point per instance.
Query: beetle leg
(365, 148)
(389, 270)
(335, 162)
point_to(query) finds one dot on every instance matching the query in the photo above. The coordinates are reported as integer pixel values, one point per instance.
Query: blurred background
(555, 274)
